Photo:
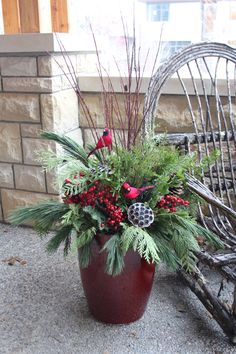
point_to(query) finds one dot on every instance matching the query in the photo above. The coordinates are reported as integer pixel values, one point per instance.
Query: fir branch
(141, 242)
(72, 148)
(115, 257)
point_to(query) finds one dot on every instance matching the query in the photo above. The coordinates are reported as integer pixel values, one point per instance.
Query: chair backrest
(204, 74)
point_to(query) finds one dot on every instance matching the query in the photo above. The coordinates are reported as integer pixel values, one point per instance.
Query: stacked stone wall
(34, 96)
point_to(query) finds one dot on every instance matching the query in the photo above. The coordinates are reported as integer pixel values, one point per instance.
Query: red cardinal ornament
(132, 192)
(104, 141)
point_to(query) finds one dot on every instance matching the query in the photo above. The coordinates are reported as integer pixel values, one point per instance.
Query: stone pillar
(34, 95)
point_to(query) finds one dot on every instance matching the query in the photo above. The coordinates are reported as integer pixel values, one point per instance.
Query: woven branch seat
(204, 75)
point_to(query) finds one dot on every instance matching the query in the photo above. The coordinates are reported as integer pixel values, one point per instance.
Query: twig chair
(204, 74)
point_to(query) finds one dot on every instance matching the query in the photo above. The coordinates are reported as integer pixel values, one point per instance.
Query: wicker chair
(206, 76)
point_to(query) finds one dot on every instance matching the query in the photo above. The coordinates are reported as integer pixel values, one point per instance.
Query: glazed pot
(116, 299)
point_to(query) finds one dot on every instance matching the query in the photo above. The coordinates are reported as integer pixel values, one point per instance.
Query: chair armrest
(199, 188)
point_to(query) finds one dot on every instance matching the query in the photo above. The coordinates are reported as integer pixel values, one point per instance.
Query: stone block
(55, 65)
(30, 130)
(6, 175)
(172, 114)
(31, 147)
(30, 178)
(95, 104)
(18, 66)
(76, 135)
(52, 186)
(1, 216)
(19, 107)
(33, 84)
(10, 143)
(60, 111)
(12, 199)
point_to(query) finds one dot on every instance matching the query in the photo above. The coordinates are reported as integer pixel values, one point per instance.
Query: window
(170, 47)
(157, 12)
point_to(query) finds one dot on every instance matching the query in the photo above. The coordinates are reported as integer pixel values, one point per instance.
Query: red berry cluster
(170, 202)
(99, 195)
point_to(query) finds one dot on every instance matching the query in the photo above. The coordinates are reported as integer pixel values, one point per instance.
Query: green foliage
(206, 162)
(44, 215)
(150, 164)
(62, 235)
(85, 237)
(171, 238)
(177, 242)
(50, 160)
(85, 255)
(115, 257)
(139, 240)
(72, 148)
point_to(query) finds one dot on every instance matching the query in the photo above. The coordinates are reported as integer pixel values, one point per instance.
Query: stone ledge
(32, 43)
(35, 84)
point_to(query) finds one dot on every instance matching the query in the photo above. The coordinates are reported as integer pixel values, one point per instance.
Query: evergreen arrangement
(138, 196)
(125, 186)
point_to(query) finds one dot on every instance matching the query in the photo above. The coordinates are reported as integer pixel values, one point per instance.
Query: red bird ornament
(104, 141)
(132, 192)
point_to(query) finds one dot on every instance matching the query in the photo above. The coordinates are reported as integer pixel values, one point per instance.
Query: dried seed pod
(140, 215)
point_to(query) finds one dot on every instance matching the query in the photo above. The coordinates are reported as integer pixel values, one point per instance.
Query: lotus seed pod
(139, 215)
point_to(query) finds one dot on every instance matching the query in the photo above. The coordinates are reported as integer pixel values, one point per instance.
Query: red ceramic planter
(120, 299)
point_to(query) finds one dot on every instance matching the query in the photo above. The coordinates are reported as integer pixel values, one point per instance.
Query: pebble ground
(43, 309)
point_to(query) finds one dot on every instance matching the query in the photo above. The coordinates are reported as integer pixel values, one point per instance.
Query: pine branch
(180, 239)
(197, 230)
(166, 254)
(85, 255)
(72, 148)
(62, 235)
(85, 237)
(44, 215)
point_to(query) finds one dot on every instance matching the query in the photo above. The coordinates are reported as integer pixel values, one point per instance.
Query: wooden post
(29, 16)
(59, 13)
(11, 16)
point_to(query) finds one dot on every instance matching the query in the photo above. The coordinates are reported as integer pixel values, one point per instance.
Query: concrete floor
(43, 309)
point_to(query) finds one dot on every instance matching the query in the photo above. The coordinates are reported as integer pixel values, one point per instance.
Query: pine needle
(62, 235)
(44, 215)
(72, 148)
